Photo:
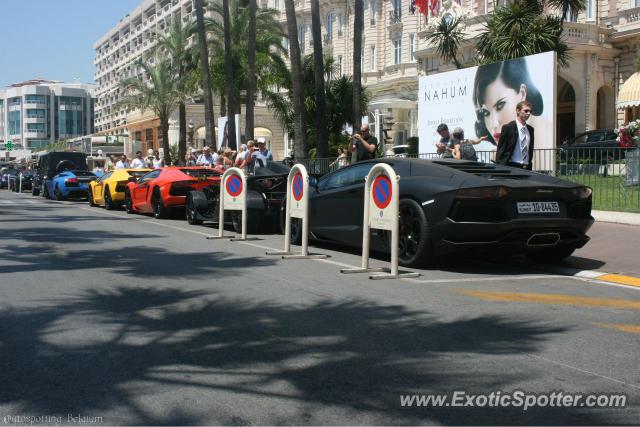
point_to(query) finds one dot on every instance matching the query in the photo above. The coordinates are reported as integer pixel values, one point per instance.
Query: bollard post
(233, 196)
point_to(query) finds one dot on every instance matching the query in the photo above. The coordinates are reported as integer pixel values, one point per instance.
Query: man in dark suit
(515, 147)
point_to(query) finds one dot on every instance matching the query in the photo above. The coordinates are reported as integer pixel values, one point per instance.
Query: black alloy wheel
(108, 203)
(91, 201)
(254, 221)
(58, 194)
(159, 210)
(128, 203)
(190, 212)
(414, 246)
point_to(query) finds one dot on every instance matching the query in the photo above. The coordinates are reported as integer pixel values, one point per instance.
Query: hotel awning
(629, 94)
(400, 103)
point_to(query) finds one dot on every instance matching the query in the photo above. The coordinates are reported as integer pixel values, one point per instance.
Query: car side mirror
(313, 181)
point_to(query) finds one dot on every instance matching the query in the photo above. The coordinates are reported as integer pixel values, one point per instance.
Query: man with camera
(364, 144)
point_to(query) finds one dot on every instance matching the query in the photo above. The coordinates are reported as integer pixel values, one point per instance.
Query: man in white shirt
(123, 163)
(515, 146)
(206, 158)
(139, 162)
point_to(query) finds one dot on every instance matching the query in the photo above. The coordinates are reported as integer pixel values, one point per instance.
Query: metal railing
(612, 173)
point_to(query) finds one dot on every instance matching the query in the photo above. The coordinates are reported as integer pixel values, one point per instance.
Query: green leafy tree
(205, 75)
(160, 93)
(269, 53)
(522, 28)
(322, 137)
(339, 94)
(183, 62)
(446, 37)
(294, 118)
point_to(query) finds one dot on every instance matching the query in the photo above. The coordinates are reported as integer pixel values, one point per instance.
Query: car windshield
(137, 174)
(272, 168)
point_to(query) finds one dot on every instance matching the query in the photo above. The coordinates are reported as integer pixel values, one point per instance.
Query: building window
(301, 37)
(590, 9)
(412, 40)
(341, 24)
(636, 3)
(372, 59)
(330, 25)
(35, 99)
(33, 113)
(14, 122)
(397, 51)
(397, 8)
(372, 12)
(340, 69)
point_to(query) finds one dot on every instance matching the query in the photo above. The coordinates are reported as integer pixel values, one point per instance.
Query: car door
(98, 188)
(337, 206)
(141, 191)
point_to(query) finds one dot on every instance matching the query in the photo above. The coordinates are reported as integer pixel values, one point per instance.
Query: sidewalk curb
(601, 276)
(617, 217)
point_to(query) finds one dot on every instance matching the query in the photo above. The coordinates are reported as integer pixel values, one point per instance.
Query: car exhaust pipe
(543, 239)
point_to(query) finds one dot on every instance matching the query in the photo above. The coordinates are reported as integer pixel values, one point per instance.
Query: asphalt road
(126, 320)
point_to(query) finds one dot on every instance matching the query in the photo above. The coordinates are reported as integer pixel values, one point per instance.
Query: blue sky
(54, 39)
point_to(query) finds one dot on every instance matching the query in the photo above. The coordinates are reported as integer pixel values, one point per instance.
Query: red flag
(422, 6)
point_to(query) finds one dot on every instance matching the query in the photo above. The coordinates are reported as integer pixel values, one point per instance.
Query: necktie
(524, 146)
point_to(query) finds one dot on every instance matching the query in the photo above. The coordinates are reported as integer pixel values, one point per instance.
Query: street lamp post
(190, 126)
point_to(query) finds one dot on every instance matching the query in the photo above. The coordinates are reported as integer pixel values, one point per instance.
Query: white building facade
(38, 112)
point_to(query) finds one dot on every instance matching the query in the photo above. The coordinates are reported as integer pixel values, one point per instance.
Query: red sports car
(162, 190)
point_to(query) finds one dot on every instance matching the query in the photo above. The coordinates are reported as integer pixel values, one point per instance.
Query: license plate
(538, 207)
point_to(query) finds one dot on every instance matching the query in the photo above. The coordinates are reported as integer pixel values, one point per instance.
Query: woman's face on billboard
(500, 105)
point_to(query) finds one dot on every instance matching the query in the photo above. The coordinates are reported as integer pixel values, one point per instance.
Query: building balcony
(627, 21)
(586, 34)
(36, 134)
(395, 19)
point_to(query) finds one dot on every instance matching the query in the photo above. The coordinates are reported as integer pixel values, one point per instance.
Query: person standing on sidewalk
(515, 147)
(364, 144)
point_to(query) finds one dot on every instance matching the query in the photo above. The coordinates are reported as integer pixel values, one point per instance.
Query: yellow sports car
(108, 190)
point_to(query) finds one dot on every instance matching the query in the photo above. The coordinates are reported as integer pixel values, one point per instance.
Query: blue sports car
(69, 183)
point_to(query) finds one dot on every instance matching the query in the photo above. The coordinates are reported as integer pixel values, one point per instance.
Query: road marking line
(584, 371)
(552, 299)
(490, 279)
(632, 329)
(618, 278)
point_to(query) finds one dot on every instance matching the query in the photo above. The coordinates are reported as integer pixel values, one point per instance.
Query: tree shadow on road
(114, 351)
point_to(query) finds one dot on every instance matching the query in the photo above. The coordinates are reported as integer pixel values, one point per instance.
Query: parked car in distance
(266, 192)
(69, 184)
(163, 190)
(108, 189)
(27, 180)
(599, 145)
(50, 164)
(5, 175)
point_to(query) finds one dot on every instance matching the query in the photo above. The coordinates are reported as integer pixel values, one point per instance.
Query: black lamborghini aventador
(453, 205)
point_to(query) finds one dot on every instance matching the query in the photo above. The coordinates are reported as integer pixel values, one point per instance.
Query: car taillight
(71, 182)
(182, 184)
(482, 193)
(582, 192)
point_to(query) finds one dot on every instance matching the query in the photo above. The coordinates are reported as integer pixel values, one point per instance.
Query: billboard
(482, 99)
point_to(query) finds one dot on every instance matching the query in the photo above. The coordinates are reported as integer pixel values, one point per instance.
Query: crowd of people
(250, 156)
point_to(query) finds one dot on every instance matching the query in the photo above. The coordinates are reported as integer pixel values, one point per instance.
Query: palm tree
(358, 28)
(300, 147)
(251, 71)
(161, 94)
(447, 37)
(339, 94)
(209, 120)
(228, 72)
(519, 29)
(174, 44)
(322, 142)
(269, 67)
(566, 6)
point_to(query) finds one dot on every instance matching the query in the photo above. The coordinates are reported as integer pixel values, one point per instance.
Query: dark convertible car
(266, 190)
(452, 205)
